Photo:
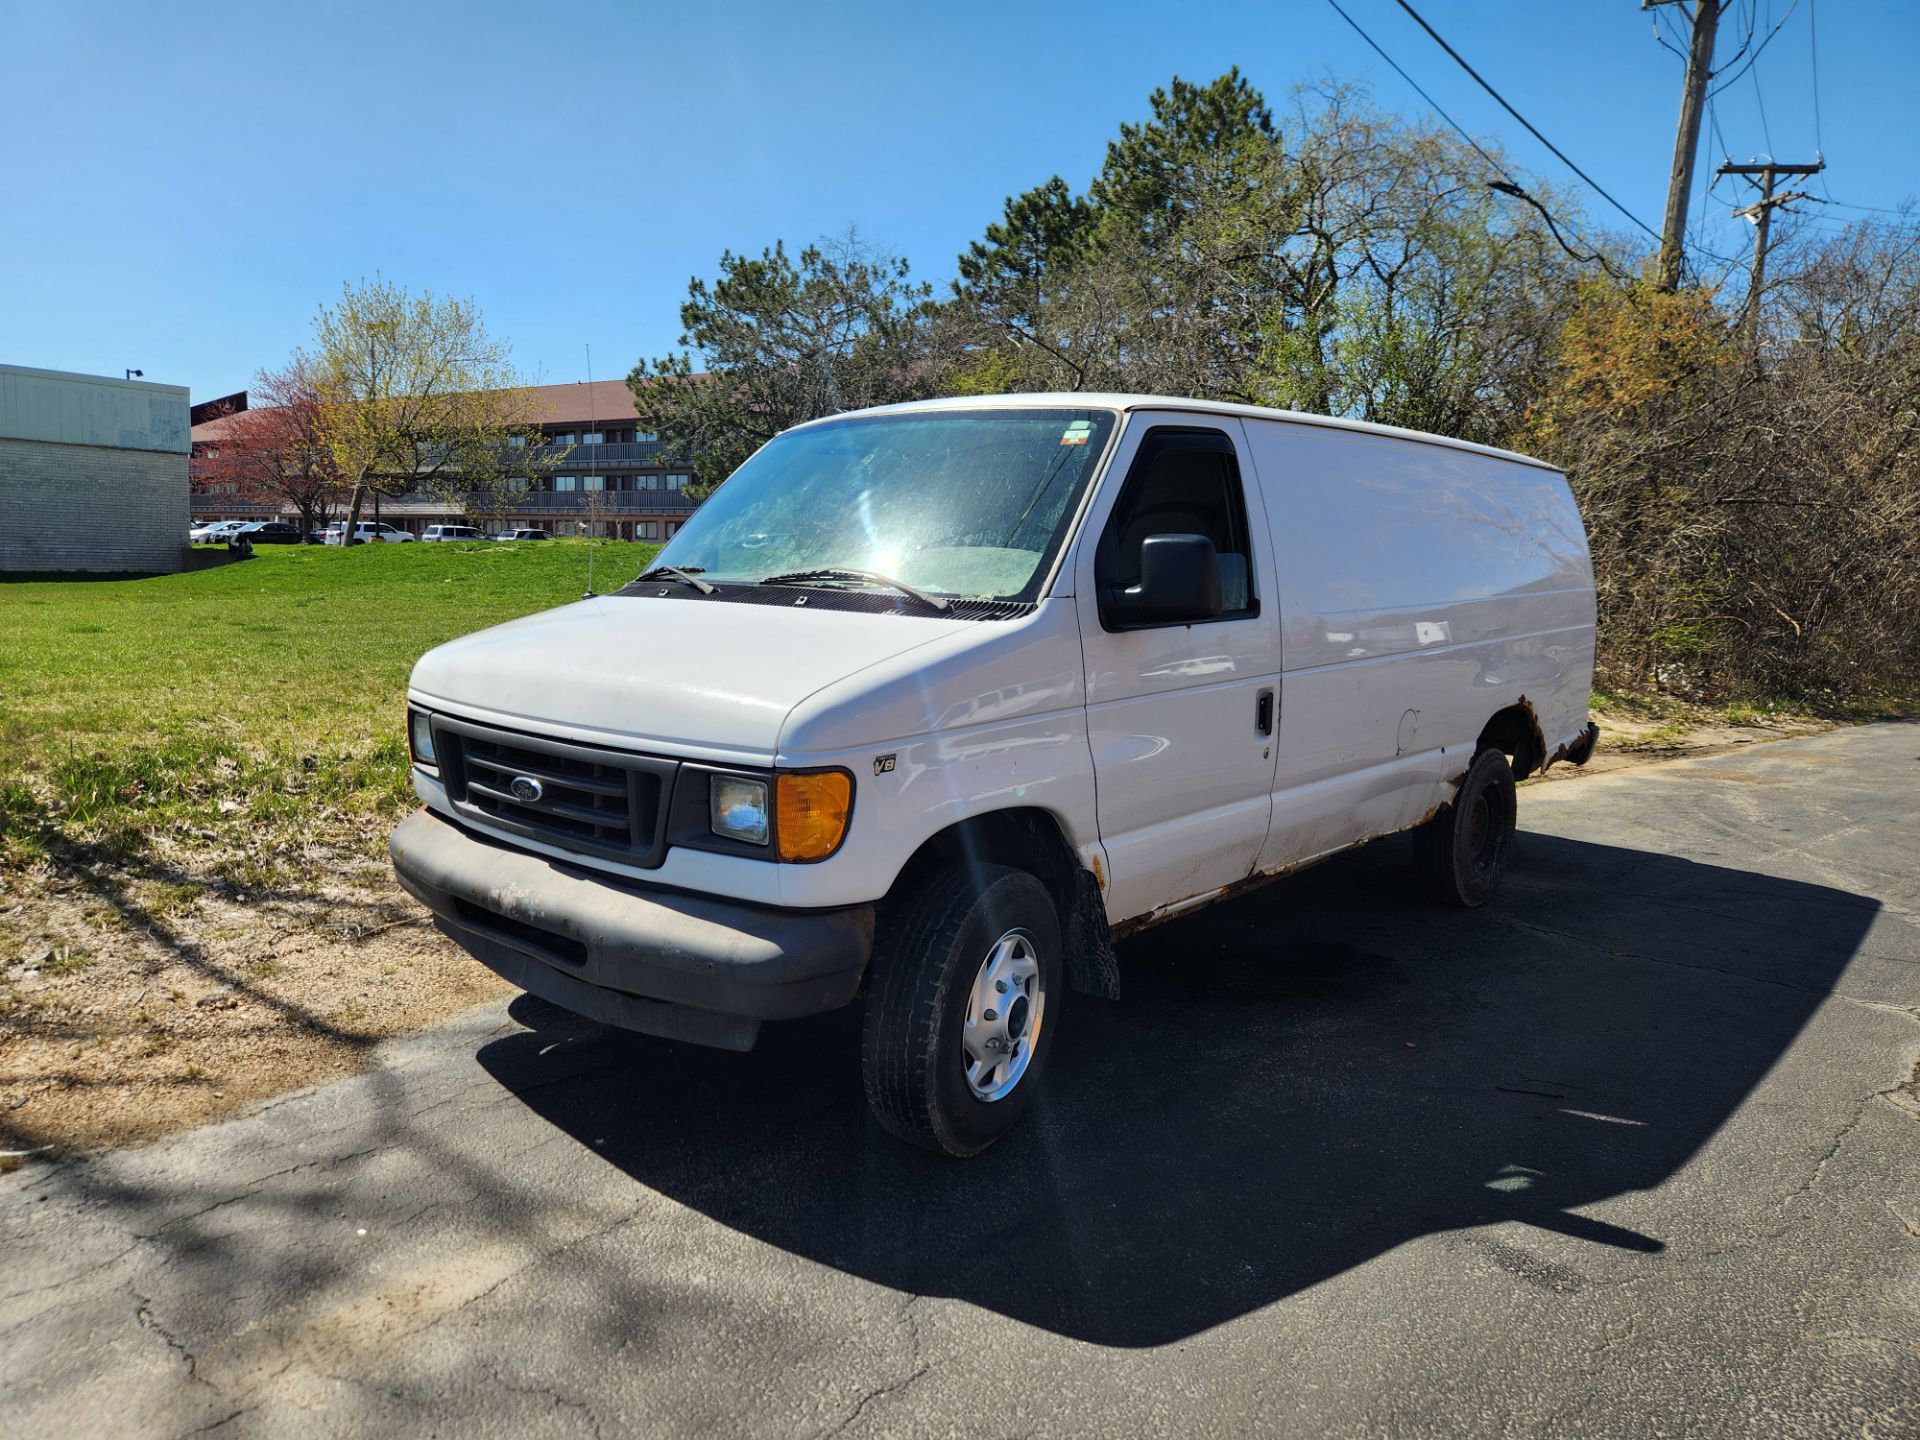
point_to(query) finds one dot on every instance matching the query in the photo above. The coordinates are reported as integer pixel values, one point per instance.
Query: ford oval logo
(526, 788)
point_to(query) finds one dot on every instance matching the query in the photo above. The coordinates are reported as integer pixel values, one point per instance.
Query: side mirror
(1179, 581)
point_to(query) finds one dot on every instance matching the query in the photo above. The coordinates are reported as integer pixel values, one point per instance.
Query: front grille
(581, 798)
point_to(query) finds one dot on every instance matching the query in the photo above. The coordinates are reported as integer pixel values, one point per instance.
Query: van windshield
(971, 503)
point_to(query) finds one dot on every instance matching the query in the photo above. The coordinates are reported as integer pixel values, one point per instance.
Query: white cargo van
(927, 704)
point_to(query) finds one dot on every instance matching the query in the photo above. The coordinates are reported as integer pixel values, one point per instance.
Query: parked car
(214, 532)
(928, 704)
(524, 533)
(451, 532)
(368, 531)
(269, 532)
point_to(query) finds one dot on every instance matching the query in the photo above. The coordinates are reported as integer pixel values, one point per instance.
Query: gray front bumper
(688, 967)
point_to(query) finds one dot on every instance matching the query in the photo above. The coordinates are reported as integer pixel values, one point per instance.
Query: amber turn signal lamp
(812, 809)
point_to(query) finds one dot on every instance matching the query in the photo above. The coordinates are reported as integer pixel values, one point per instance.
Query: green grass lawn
(267, 692)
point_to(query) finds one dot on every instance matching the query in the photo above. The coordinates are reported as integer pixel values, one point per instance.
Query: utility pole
(1760, 213)
(1686, 140)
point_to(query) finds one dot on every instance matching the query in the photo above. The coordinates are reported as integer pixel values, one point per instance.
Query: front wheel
(1461, 853)
(962, 1004)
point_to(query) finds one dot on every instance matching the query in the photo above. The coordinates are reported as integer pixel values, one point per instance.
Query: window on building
(647, 530)
(519, 484)
(566, 482)
(646, 482)
(518, 442)
(593, 437)
(565, 438)
(678, 482)
(673, 528)
(645, 435)
(593, 482)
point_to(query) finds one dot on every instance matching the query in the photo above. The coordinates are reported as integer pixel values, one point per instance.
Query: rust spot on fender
(1579, 750)
(1099, 873)
(1576, 751)
(1540, 755)
(1173, 909)
(1253, 880)
(1178, 909)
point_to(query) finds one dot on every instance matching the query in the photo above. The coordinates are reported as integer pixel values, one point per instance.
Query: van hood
(710, 675)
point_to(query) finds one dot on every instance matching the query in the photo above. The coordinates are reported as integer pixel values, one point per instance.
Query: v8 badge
(883, 764)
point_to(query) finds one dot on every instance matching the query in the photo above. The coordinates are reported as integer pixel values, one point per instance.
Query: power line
(1871, 209)
(1753, 20)
(1754, 58)
(1508, 185)
(1766, 132)
(1499, 169)
(1531, 130)
(1660, 23)
(1813, 58)
(1709, 184)
(1719, 140)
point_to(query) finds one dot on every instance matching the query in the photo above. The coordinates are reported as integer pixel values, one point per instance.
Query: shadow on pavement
(1292, 1084)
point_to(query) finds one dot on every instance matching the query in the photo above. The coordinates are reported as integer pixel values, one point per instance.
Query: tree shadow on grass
(121, 880)
(1291, 1085)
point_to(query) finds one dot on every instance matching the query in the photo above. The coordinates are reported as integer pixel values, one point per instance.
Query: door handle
(1263, 712)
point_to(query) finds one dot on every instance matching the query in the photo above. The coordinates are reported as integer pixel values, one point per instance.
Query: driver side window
(1183, 482)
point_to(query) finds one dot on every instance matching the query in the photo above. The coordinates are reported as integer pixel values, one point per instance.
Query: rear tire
(1461, 853)
(970, 942)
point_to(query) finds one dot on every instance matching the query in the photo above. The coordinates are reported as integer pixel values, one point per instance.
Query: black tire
(1460, 854)
(926, 959)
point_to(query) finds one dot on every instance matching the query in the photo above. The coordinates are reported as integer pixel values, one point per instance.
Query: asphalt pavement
(1633, 1150)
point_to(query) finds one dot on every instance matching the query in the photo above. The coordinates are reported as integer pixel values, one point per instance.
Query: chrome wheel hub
(1005, 1009)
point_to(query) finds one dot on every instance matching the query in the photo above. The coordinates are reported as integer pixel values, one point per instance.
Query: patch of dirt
(142, 998)
(138, 1001)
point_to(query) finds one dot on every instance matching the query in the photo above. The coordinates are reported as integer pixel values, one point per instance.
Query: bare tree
(1755, 518)
(414, 394)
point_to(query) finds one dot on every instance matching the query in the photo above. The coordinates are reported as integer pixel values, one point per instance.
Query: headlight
(420, 732)
(814, 809)
(738, 808)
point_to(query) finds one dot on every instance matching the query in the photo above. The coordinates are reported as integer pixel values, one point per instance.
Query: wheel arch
(1515, 731)
(1035, 840)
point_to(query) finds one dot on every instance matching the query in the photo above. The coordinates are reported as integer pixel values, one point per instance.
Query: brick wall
(86, 507)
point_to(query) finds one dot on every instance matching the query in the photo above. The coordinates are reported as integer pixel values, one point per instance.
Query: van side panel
(1422, 590)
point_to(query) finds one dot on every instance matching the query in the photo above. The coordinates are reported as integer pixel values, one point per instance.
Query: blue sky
(184, 183)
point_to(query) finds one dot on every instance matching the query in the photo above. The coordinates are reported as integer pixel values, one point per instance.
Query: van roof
(1091, 400)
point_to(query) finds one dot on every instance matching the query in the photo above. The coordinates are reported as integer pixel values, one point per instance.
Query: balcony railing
(591, 459)
(613, 502)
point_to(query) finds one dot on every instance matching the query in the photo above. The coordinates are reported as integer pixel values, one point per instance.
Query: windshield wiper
(870, 577)
(674, 572)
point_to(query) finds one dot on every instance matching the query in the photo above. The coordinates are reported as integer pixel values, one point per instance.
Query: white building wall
(93, 473)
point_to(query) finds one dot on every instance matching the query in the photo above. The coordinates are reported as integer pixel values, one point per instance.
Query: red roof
(214, 429)
(581, 403)
(603, 402)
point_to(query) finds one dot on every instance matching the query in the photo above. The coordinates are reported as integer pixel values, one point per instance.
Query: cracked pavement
(1634, 1150)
